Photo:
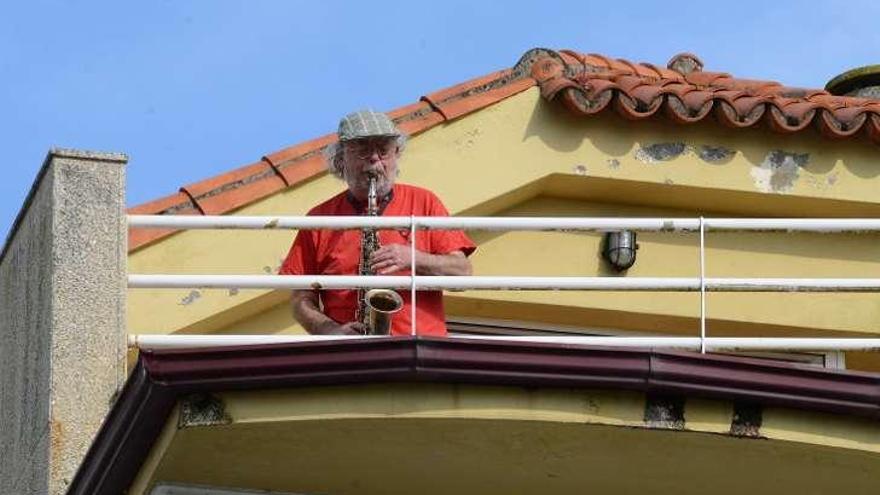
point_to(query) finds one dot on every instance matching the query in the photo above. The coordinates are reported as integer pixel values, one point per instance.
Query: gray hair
(333, 155)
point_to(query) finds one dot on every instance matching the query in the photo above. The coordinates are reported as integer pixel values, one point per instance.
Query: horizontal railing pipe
(400, 222)
(267, 282)
(825, 225)
(600, 224)
(792, 344)
(683, 343)
(671, 284)
(194, 222)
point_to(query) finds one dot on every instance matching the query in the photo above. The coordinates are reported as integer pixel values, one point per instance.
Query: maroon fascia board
(162, 377)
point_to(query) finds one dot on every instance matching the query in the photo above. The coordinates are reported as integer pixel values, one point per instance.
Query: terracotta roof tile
(297, 151)
(588, 84)
(162, 206)
(455, 108)
(208, 186)
(301, 170)
(236, 189)
(175, 204)
(419, 121)
(477, 93)
(462, 89)
(873, 126)
(301, 162)
(584, 83)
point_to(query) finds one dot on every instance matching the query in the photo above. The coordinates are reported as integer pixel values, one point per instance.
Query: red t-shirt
(337, 252)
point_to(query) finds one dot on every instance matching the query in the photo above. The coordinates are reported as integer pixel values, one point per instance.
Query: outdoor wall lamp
(619, 249)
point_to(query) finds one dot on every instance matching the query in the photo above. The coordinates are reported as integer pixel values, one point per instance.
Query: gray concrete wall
(62, 302)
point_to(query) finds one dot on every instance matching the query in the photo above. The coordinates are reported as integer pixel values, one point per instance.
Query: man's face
(363, 157)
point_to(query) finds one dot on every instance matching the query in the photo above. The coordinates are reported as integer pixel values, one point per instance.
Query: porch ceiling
(435, 456)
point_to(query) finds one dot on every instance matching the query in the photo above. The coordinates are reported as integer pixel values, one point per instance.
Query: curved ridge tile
(779, 121)
(598, 60)
(707, 78)
(632, 109)
(842, 123)
(872, 128)
(577, 100)
(743, 112)
(590, 83)
(689, 108)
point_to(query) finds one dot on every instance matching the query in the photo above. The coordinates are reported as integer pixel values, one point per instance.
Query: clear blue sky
(191, 89)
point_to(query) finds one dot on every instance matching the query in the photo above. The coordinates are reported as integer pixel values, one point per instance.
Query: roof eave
(161, 377)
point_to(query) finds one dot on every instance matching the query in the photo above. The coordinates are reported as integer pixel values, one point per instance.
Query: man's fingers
(354, 328)
(384, 267)
(381, 263)
(389, 259)
(381, 255)
(385, 250)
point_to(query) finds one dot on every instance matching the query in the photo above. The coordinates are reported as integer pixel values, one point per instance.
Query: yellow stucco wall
(505, 439)
(524, 156)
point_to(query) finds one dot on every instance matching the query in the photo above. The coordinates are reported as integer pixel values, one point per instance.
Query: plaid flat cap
(366, 124)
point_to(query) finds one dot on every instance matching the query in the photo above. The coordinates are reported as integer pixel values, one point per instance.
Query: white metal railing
(700, 284)
(729, 344)
(434, 282)
(505, 223)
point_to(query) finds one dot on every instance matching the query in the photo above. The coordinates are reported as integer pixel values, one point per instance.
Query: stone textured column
(62, 308)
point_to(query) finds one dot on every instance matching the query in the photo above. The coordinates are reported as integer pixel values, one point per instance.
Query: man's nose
(372, 164)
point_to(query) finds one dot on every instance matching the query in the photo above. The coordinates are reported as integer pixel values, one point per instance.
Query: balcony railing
(701, 284)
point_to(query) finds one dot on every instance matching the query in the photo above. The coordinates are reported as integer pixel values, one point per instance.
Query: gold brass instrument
(375, 306)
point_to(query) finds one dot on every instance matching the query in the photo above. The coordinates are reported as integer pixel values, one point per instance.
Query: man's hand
(350, 328)
(391, 258)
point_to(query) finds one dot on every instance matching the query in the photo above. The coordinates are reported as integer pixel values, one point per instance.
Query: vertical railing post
(412, 267)
(702, 286)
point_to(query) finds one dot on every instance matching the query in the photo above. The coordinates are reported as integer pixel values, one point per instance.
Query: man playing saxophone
(366, 158)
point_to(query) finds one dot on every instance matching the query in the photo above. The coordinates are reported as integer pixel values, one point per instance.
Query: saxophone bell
(381, 305)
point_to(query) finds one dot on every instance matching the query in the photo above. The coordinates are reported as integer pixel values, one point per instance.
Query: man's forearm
(304, 304)
(455, 263)
(305, 310)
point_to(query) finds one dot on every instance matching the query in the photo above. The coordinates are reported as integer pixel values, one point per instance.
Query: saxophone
(375, 306)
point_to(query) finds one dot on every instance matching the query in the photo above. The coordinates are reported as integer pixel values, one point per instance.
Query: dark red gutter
(161, 377)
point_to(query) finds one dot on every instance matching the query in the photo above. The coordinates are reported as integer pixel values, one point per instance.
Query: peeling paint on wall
(747, 420)
(202, 410)
(469, 138)
(823, 183)
(831, 179)
(580, 169)
(715, 154)
(190, 298)
(664, 412)
(613, 163)
(660, 152)
(779, 171)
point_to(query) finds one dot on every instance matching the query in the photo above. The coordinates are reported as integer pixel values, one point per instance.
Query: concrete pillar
(62, 319)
